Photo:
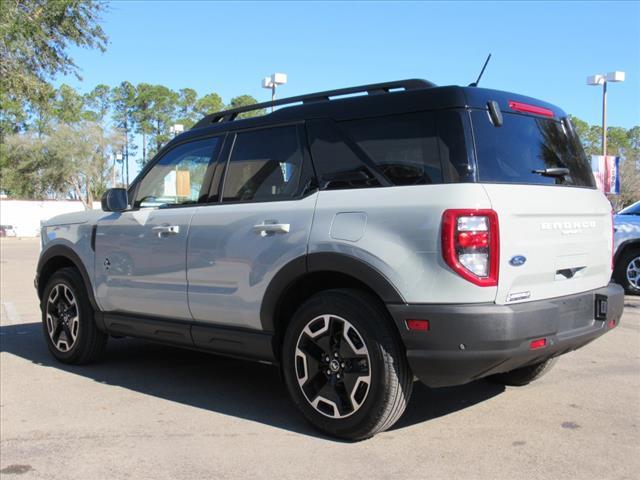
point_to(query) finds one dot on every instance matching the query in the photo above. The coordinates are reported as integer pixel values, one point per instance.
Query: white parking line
(13, 316)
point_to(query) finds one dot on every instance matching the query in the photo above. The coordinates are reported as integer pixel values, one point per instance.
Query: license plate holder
(600, 307)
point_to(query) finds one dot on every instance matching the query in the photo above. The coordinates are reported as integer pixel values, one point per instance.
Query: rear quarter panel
(396, 230)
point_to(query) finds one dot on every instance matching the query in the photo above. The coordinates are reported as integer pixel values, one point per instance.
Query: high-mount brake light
(528, 108)
(471, 244)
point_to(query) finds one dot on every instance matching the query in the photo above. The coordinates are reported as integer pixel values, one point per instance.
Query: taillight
(471, 244)
(613, 241)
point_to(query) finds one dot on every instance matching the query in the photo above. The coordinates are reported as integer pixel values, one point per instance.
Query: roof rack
(372, 89)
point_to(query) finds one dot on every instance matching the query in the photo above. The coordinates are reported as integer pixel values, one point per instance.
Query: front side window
(265, 165)
(177, 178)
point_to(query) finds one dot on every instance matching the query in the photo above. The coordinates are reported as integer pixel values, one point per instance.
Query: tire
(627, 271)
(68, 320)
(525, 375)
(369, 382)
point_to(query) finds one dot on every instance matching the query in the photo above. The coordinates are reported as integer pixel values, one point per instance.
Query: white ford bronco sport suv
(357, 238)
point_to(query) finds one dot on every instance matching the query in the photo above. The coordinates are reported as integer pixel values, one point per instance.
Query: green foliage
(68, 105)
(620, 142)
(244, 100)
(36, 35)
(57, 141)
(72, 160)
(186, 113)
(162, 114)
(23, 163)
(98, 102)
(210, 103)
(123, 102)
(41, 111)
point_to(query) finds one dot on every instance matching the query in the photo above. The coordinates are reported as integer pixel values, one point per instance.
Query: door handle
(266, 228)
(166, 230)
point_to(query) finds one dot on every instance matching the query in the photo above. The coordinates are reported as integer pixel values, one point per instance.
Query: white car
(357, 238)
(627, 248)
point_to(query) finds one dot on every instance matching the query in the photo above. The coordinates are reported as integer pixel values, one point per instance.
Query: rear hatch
(555, 227)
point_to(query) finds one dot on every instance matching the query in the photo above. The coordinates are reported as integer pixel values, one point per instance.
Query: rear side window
(403, 147)
(264, 165)
(408, 149)
(523, 144)
(337, 165)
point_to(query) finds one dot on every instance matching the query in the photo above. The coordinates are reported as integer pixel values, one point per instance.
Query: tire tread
(92, 341)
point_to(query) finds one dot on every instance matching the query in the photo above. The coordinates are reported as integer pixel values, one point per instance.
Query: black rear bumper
(467, 342)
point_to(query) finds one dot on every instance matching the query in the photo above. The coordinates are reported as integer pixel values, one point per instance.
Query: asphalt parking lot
(149, 411)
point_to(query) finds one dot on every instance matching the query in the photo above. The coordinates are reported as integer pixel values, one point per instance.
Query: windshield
(524, 145)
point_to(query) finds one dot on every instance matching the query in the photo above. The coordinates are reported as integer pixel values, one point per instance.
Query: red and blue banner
(606, 171)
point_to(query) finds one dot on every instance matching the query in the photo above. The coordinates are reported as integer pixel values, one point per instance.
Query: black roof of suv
(368, 100)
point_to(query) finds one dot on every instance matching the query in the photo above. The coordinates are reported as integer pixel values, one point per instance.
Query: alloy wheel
(332, 366)
(633, 272)
(63, 317)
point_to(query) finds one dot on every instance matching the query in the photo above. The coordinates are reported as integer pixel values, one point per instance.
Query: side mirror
(115, 200)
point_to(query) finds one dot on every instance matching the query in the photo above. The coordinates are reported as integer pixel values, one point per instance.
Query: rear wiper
(552, 172)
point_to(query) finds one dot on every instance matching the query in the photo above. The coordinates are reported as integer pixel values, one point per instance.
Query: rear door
(260, 224)
(555, 230)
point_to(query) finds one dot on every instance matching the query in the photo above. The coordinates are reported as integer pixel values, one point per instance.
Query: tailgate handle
(568, 272)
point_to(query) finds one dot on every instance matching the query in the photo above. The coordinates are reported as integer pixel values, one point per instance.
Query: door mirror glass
(115, 200)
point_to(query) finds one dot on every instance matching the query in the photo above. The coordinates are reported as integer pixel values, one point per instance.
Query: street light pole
(601, 79)
(604, 118)
(272, 82)
(273, 95)
(125, 173)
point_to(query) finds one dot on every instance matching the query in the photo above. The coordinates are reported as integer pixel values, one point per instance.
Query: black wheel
(68, 320)
(627, 271)
(344, 364)
(525, 375)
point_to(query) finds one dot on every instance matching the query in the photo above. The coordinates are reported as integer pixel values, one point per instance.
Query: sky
(541, 49)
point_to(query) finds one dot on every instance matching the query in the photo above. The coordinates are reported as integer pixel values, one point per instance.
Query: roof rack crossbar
(372, 89)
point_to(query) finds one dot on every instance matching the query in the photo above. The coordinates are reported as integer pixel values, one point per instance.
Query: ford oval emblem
(518, 260)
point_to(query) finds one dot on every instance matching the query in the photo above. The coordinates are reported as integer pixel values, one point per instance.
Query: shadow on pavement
(248, 390)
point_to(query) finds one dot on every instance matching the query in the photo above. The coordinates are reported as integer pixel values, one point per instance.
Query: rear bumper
(467, 342)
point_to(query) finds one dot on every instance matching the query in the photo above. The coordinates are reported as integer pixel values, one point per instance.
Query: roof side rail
(372, 89)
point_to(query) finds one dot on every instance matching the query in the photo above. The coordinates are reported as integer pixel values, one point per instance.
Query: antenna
(475, 84)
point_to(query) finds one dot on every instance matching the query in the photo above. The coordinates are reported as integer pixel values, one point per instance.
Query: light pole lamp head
(267, 83)
(176, 128)
(279, 78)
(595, 79)
(615, 76)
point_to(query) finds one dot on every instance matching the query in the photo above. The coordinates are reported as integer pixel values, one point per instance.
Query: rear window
(523, 144)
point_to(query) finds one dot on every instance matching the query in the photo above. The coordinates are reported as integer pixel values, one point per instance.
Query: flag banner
(606, 171)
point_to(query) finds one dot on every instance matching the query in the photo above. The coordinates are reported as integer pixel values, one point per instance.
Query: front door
(140, 253)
